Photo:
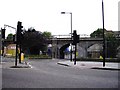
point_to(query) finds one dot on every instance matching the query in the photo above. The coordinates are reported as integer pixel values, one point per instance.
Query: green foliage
(47, 34)
(111, 42)
(97, 33)
(33, 41)
(10, 37)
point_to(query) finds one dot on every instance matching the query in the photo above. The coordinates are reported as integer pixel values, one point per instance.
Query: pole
(103, 35)
(16, 54)
(71, 37)
(3, 38)
(20, 49)
(75, 54)
(2, 48)
(20, 53)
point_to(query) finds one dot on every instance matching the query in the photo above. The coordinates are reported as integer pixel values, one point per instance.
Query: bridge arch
(118, 52)
(95, 50)
(62, 49)
(83, 47)
(82, 52)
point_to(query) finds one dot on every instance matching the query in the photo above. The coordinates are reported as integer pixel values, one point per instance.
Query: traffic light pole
(2, 48)
(19, 30)
(75, 41)
(16, 54)
(3, 38)
(75, 54)
(18, 41)
(20, 53)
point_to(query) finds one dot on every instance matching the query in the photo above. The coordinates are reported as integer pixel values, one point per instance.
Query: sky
(45, 15)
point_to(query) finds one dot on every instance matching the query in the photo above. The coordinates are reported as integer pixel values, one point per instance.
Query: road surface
(48, 74)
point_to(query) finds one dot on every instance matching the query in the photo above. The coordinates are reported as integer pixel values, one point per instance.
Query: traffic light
(3, 33)
(75, 38)
(19, 31)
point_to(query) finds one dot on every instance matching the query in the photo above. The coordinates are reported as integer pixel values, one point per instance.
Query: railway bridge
(87, 47)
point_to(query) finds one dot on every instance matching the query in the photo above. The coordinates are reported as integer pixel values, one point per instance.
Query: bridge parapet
(81, 39)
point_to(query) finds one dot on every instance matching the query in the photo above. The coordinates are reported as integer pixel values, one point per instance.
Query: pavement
(68, 63)
(12, 65)
(91, 65)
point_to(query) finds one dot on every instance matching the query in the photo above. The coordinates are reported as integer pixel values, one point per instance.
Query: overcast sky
(45, 15)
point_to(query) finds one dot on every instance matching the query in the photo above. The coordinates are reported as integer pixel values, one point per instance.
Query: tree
(10, 37)
(33, 41)
(97, 33)
(111, 42)
(47, 34)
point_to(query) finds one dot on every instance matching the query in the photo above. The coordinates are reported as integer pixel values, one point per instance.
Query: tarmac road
(48, 74)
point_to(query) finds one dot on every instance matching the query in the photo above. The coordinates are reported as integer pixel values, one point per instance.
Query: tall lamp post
(103, 34)
(71, 31)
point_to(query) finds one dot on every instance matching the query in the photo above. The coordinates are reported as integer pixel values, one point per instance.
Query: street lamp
(71, 30)
(15, 38)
